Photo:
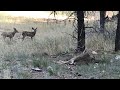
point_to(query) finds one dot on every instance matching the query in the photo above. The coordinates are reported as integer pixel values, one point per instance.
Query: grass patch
(24, 75)
(40, 62)
(54, 69)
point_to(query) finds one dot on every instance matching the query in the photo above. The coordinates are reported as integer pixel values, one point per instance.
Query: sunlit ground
(46, 14)
(32, 14)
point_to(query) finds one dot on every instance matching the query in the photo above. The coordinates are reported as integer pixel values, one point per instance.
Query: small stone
(78, 74)
(94, 67)
(93, 52)
(68, 67)
(117, 57)
(96, 64)
(111, 61)
(92, 78)
(37, 69)
(103, 71)
(105, 53)
(75, 77)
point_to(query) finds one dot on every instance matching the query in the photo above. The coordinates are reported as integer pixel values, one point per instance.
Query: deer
(9, 34)
(29, 34)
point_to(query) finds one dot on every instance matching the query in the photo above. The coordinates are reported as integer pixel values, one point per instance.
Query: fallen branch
(82, 57)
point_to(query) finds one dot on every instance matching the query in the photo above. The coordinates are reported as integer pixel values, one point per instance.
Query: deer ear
(32, 28)
(36, 28)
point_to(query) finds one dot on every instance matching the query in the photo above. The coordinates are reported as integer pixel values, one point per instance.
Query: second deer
(29, 34)
(9, 34)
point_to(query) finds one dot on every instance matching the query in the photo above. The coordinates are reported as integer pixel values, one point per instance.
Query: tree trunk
(117, 38)
(81, 32)
(102, 21)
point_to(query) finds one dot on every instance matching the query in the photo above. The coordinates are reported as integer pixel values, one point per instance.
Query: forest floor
(40, 58)
(49, 67)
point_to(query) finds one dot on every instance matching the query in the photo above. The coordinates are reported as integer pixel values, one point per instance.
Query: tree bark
(102, 21)
(81, 32)
(117, 38)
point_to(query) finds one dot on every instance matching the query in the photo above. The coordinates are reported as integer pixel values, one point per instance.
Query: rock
(92, 78)
(117, 57)
(37, 69)
(78, 74)
(75, 77)
(94, 67)
(93, 52)
(96, 64)
(103, 71)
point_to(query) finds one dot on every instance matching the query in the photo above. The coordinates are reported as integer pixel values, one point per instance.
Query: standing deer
(9, 34)
(29, 34)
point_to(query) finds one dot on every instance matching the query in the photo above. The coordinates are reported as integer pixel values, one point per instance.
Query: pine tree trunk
(102, 21)
(81, 32)
(117, 38)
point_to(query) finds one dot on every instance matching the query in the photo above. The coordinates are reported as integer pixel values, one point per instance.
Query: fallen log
(83, 57)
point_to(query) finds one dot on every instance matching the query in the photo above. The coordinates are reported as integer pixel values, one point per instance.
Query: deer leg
(23, 38)
(10, 38)
(31, 38)
(4, 37)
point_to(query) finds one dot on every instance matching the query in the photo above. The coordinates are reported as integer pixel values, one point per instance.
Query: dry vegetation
(18, 57)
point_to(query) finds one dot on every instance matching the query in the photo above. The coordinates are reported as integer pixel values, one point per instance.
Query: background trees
(81, 31)
(80, 15)
(102, 21)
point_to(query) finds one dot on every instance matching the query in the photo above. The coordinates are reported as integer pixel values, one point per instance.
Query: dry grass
(49, 39)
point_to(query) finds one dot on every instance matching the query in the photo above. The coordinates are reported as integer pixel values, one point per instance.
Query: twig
(74, 25)
(69, 16)
(53, 12)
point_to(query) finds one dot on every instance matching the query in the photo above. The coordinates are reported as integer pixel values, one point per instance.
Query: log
(84, 57)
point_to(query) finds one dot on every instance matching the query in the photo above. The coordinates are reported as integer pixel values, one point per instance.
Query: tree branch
(53, 12)
(69, 16)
